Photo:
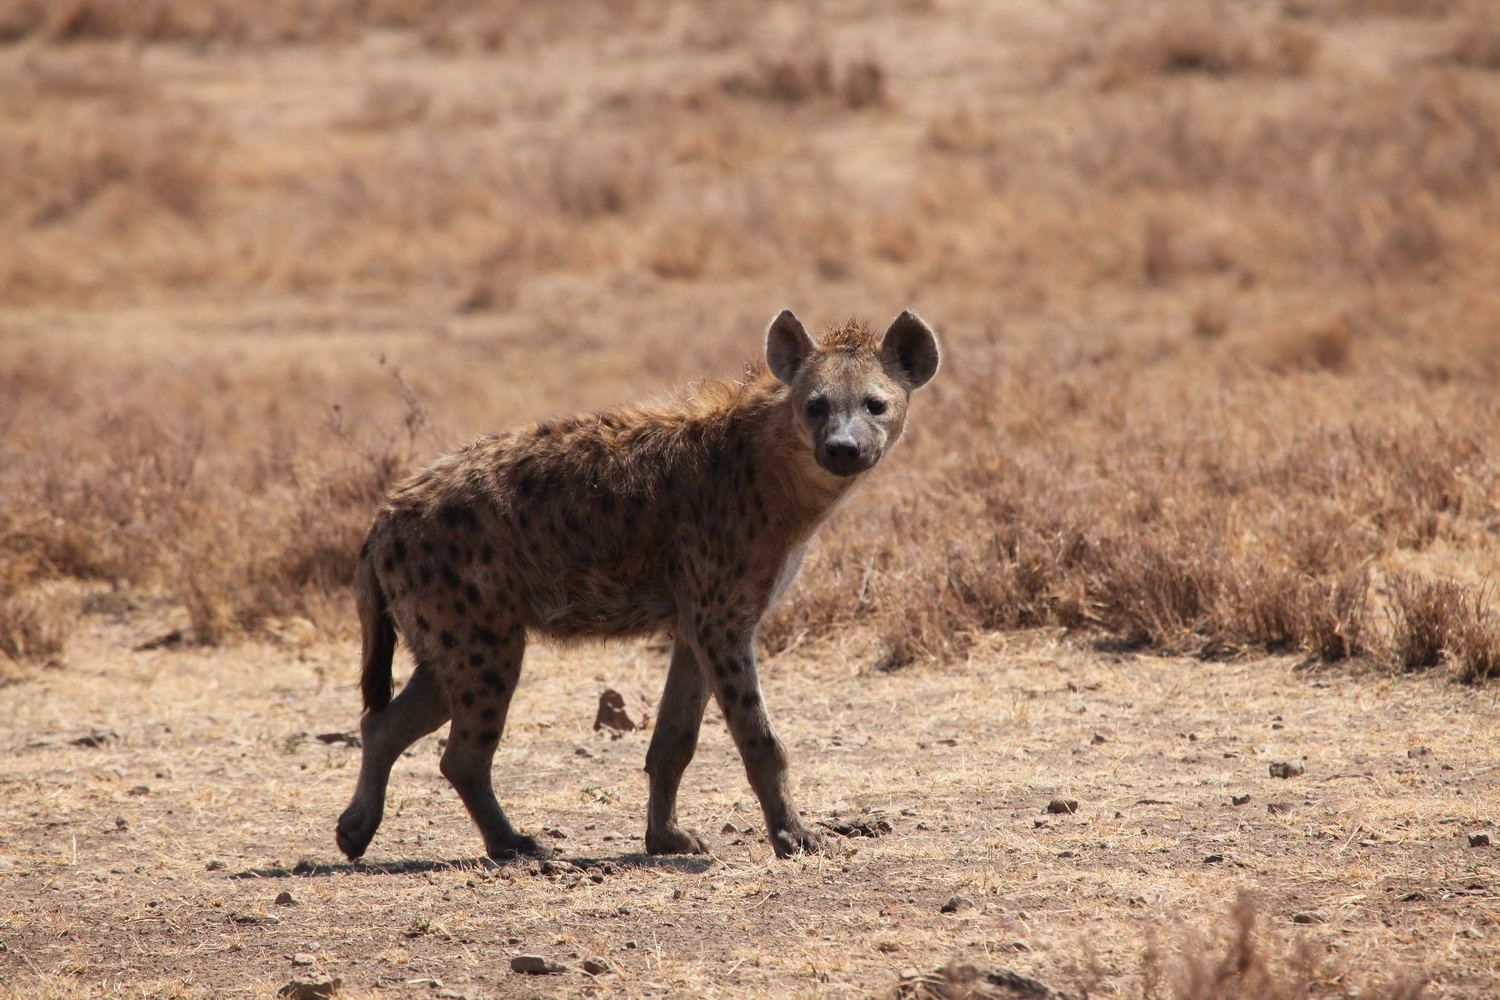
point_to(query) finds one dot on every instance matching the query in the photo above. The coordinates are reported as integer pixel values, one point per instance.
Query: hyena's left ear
(910, 350)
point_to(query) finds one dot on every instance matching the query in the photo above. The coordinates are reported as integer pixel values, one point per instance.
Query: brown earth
(150, 865)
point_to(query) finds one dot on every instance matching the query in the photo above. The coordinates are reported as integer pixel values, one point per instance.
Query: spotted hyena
(688, 517)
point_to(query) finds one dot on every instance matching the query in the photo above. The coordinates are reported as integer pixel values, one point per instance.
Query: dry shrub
(1318, 345)
(35, 623)
(1242, 967)
(1477, 41)
(444, 25)
(1476, 643)
(390, 104)
(1211, 39)
(1436, 622)
(859, 83)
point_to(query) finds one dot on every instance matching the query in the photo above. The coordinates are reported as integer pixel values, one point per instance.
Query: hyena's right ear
(787, 346)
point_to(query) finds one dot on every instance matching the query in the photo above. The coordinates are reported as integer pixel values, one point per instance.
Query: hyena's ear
(910, 350)
(787, 346)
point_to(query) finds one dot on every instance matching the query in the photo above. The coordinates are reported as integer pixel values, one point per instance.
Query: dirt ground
(149, 861)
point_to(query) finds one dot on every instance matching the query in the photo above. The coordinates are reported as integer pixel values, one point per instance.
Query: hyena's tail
(379, 634)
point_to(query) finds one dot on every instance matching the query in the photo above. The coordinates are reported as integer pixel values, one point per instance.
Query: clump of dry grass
(1240, 968)
(1210, 39)
(1476, 42)
(813, 76)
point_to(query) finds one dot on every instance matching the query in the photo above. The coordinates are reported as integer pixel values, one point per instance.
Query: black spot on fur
(398, 549)
(459, 607)
(543, 431)
(486, 636)
(476, 659)
(422, 623)
(447, 639)
(486, 553)
(457, 515)
(468, 699)
(493, 679)
(749, 699)
(487, 736)
(450, 578)
(390, 564)
(488, 714)
(472, 593)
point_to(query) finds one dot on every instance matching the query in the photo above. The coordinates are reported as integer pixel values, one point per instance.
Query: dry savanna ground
(1207, 484)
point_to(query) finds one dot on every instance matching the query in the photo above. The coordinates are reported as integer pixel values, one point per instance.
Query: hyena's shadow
(602, 868)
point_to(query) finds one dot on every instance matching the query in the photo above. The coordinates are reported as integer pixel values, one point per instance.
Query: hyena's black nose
(842, 450)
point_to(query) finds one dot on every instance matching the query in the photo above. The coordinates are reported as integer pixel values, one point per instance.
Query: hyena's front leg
(419, 709)
(728, 658)
(673, 743)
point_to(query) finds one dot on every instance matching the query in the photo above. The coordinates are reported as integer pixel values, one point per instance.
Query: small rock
(121, 823)
(583, 751)
(559, 832)
(1416, 752)
(623, 709)
(347, 739)
(729, 828)
(1278, 808)
(311, 989)
(1099, 738)
(140, 790)
(957, 903)
(1310, 917)
(1240, 800)
(1062, 806)
(596, 966)
(536, 965)
(97, 738)
(214, 865)
(254, 918)
(447, 994)
(304, 958)
(1479, 840)
(1287, 769)
(1213, 859)
(287, 899)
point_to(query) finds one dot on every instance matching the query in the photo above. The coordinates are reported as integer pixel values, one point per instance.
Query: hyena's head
(850, 388)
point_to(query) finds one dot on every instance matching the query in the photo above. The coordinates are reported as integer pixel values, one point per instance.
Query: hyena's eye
(875, 406)
(817, 407)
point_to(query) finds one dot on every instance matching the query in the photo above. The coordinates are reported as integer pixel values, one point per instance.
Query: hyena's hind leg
(420, 708)
(480, 675)
(673, 743)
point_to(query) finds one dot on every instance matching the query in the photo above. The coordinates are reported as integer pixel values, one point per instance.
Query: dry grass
(1088, 495)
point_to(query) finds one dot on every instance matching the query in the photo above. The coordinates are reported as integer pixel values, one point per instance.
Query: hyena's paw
(795, 840)
(674, 840)
(356, 828)
(516, 845)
